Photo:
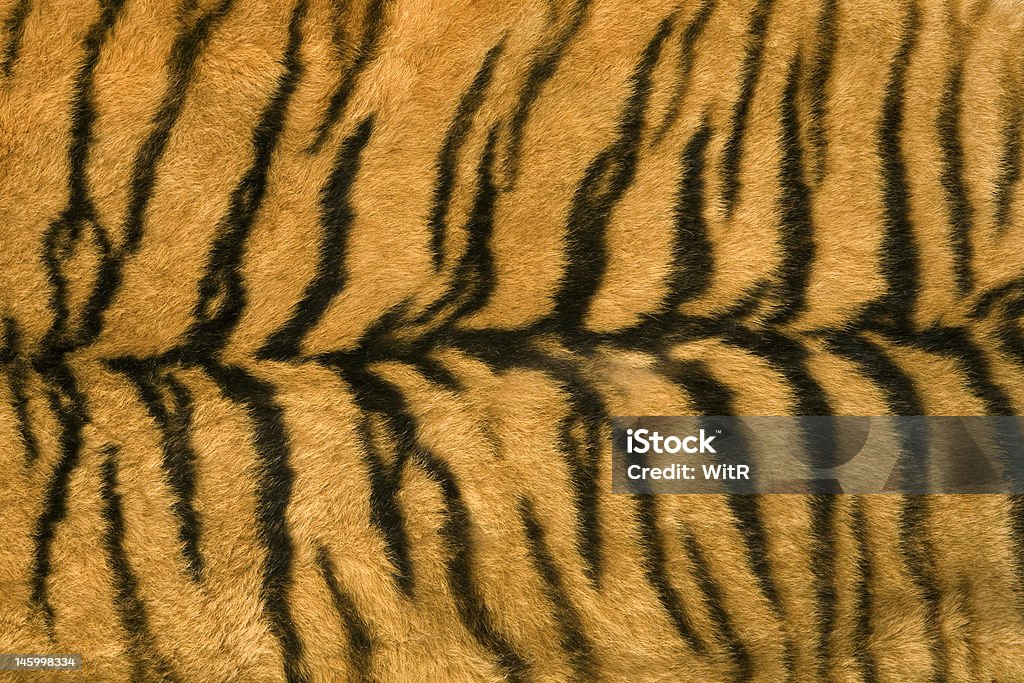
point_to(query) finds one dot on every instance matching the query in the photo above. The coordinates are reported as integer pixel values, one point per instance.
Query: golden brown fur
(314, 314)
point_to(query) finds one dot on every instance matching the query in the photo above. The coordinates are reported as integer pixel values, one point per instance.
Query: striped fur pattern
(314, 314)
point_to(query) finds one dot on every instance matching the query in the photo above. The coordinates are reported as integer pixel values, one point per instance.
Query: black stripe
(448, 157)
(179, 457)
(1017, 538)
(385, 481)
(185, 52)
(707, 584)
(692, 252)
(687, 56)
(573, 638)
(541, 70)
(899, 390)
(603, 185)
(919, 552)
(14, 27)
(222, 295)
(655, 566)
(707, 394)
(63, 234)
(865, 581)
(360, 643)
(961, 213)
(366, 53)
(1009, 161)
(823, 559)
(69, 407)
(17, 379)
(750, 73)
(146, 661)
(336, 216)
(956, 343)
(273, 494)
(819, 74)
(898, 253)
(797, 232)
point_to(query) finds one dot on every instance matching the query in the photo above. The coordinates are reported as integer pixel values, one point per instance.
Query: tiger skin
(315, 315)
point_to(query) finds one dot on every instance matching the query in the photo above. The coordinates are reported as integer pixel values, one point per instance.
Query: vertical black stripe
(818, 76)
(919, 552)
(735, 648)
(366, 53)
(865, 580)
(541, 70)
(448, 157)
(824, 520)
(1007, 182)
(146, 661)
(17, 380)
(222, 295)
(179, 457)
(273, 493)
(692, 251)
(898, 253)
(14, 28)
(655, 565)
(687, 56)
(69, 407)
(603, 185)
(360, 643)
(336, 216)
(185, 52)
(573, 638)
(961, 213)
(795, 198)
(873, 363)
(750, 73)
(956, 343)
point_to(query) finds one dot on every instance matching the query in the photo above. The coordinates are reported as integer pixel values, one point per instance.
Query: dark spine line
(455, 531)
(656, 570)
(360, 642)
(185, 52)
(919, 552)
(14, 27)
(603, 185)
(723, 624)
(692, 251)
(336, 216)
(63, 234)
(819, 74)
(1009, 162)
(17, 379)
(68, 405)
(146, 661)
(222, 295)
(574, 639)
(448, 158)
(865, 580)
(273, 494)
(179, 457)
(367, 52)
(899, 253)
(797, 230)
(711, 397)
(750, 73)
(961, 213)
(541, 70)
(687, 56)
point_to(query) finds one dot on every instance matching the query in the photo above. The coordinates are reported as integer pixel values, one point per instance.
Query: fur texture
(314, 314)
